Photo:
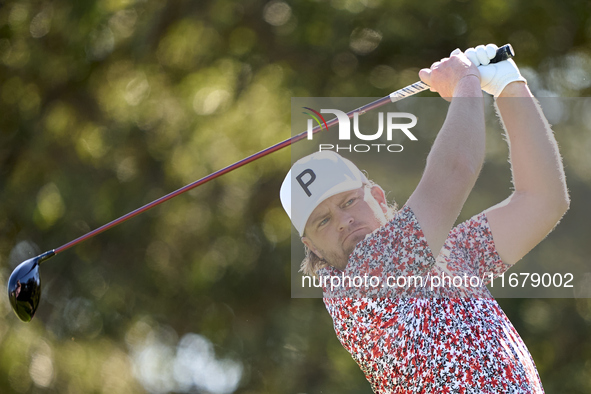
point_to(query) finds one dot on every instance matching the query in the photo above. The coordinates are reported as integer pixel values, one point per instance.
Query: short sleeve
(471, 246)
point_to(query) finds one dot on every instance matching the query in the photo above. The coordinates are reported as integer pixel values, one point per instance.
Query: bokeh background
(107, 105)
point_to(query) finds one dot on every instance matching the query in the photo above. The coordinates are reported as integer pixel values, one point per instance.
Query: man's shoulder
(402, 223)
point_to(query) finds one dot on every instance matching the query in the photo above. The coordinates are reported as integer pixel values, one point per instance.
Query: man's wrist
(468, 86)
(516, 89)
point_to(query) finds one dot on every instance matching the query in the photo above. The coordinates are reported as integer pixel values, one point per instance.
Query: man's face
(341, 221)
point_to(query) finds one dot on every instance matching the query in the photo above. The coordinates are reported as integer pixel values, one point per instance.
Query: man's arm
(540, 198)
(457, 154)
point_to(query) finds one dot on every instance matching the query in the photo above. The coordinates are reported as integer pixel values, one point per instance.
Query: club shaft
(225, 170)
(503, 53)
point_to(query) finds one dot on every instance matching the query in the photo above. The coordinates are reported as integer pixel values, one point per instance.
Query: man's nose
(345, 220)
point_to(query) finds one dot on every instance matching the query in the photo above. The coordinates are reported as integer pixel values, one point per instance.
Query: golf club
(24, 284)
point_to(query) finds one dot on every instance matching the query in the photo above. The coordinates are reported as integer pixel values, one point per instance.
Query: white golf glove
(493, 77)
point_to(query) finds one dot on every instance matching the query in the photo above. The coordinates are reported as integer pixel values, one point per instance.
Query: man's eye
(349, 202)
(323, 222)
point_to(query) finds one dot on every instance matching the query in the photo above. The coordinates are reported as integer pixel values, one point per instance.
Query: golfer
(444, 339)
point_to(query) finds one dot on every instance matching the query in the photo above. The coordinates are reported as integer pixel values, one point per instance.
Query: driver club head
(24, 287)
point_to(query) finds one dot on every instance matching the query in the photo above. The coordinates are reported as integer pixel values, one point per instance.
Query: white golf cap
(312, 180)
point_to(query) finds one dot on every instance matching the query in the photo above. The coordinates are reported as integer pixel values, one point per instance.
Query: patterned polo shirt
(413, 337)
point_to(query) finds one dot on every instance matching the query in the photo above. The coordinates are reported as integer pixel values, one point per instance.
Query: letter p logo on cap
(309, 182)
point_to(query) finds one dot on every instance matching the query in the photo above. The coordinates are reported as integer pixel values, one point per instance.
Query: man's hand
(494, 77)
(447, 76)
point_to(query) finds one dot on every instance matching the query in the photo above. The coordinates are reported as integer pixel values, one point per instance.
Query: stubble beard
(340, 260)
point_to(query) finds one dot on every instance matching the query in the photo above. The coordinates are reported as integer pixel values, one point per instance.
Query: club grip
(503, 53)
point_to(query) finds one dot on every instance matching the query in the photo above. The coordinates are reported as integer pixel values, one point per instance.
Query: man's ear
(378, 193)
(308, 242)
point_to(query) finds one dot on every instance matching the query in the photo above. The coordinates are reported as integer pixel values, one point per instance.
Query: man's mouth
(353, 233)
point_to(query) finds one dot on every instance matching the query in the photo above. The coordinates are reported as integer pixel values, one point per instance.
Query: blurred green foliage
(106, 105)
